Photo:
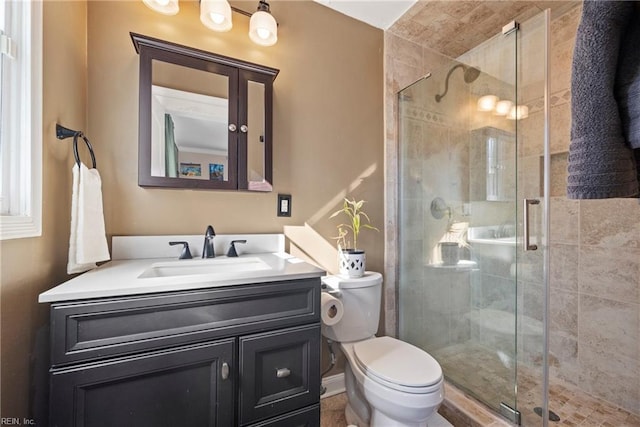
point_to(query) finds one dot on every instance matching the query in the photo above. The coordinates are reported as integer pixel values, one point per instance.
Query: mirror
(189, 120)
(256, 133)
(492, 164)
(204, 119)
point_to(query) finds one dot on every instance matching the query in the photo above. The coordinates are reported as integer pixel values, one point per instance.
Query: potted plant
(453, 241)
(352, 261)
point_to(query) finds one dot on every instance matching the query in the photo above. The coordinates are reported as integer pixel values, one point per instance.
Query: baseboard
(334, 385)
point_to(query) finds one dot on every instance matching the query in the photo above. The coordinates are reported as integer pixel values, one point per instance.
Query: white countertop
(121, 278)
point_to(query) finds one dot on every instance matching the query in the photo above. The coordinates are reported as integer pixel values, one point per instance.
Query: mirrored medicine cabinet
(492, 167)
(205, 120)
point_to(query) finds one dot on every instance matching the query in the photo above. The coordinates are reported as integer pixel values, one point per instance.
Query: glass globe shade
(518, 112)
(503, 108)
(487, 102)
(216, 15)
(166, 7)
(263, 29)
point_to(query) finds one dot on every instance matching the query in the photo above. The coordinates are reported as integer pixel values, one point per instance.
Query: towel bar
(64, 133)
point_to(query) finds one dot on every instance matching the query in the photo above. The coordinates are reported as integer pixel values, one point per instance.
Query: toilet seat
(398, 365)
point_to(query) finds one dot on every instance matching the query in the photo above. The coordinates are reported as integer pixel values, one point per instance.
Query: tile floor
(488, 373)
(332, 411)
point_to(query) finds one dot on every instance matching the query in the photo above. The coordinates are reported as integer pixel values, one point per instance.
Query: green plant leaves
(353, 210)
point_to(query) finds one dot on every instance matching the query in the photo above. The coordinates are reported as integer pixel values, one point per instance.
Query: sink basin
(212, 267)
(495, 241)
(491, 241)
(492, 235)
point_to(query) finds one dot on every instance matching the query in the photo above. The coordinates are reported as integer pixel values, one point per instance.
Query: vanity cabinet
(205, 120)
(245, 355)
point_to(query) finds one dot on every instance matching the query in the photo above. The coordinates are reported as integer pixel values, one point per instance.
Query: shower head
(470, 75)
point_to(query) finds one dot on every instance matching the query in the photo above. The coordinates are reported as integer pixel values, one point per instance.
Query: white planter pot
(450, 253)
(352, 262)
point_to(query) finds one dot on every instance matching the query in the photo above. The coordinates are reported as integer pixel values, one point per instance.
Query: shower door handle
(527, 246)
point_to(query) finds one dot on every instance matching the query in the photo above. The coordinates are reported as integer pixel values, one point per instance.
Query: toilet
(388, 382)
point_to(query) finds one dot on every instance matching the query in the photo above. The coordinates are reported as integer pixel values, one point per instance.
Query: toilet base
(352, 417)
(379, 419)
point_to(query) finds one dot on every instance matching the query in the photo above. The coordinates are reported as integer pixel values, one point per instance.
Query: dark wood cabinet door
(279, 372)
(184, 386)
(306, 417)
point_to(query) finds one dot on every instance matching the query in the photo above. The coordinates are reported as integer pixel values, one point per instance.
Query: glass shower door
(469, 153)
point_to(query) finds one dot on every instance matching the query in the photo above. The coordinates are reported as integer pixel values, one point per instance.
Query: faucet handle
(232, 248)
(186, 253)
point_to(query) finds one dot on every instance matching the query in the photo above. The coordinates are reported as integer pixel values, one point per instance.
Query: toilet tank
(361, 300)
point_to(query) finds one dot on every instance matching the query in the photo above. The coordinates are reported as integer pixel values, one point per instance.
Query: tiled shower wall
(595, 244)
(595, 262)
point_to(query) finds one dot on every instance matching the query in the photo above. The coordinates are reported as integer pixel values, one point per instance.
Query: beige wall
(30, 266)
(328, 137)
(323, 139)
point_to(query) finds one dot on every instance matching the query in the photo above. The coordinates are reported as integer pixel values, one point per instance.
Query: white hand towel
(87, 240)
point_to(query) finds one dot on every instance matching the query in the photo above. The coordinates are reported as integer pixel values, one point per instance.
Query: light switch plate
(284, 204)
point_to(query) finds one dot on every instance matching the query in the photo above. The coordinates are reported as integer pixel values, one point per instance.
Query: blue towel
(601, 163)
(627, 88)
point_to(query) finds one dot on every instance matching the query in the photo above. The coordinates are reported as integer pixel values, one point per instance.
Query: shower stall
(473, 219)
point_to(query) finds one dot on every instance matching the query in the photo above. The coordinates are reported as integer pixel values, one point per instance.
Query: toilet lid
(397, 362)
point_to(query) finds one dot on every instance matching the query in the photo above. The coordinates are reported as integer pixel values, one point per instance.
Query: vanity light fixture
(216, 15)
(166, 7)
(518, 112)
(487, 102)
(503, 107)
(263, 29)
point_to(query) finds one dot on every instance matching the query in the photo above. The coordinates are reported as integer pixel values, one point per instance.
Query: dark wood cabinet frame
(239, 74)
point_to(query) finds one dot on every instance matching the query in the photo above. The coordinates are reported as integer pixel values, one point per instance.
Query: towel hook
(64, 133)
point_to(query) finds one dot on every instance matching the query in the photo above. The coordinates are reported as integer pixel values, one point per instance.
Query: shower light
(487, 103)
(503, 107)
(166, 7)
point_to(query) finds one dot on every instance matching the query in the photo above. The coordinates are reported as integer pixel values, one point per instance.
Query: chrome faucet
(207, 250)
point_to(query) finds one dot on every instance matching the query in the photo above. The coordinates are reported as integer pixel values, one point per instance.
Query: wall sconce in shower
(216, 15)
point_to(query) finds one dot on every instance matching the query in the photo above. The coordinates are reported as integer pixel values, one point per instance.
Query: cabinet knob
(224, 371)
(232, 127)
(283, 373)
(244, 129)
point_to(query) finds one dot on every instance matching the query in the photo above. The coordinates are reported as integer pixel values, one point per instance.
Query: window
(20, 119)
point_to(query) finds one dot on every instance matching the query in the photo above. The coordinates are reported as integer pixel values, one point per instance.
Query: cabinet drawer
(93, 329)
(307, 417)
(279, 372)
(166, 388)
